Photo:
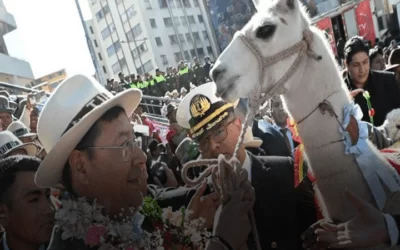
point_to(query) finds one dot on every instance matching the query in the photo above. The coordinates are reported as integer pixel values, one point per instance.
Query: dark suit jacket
(397, 219)
(273, 142)
(385, 95)
(282, 212)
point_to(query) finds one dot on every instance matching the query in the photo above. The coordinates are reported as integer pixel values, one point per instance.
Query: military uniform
(282, 212)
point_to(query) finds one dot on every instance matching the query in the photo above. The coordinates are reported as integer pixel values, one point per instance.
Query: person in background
(175, 133)
(216, 129)
(199, 73)
(280, 117)
(123, 84)
(340, 49)
(11, 145)
(26, 211)
(183, 92)
(207, 67)
(146, 121)
(382, 88)
(6, 112)
(376, 59)
(22, 132)
(393, 65)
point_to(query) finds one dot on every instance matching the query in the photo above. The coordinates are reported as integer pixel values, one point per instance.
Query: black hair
(87, 141)
(9, 167)
(353, 46)
(374, 52)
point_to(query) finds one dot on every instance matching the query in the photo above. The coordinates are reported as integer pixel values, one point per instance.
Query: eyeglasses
(218, 136)
(126, 149)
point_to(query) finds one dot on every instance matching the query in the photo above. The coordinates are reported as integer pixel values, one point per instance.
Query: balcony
(16, 67)
(7, 19)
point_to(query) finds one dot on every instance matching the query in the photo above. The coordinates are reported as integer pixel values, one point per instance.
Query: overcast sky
(49, 35)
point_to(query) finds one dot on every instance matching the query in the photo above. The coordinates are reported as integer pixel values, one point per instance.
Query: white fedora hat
(20, 130)
(9, 143)
(72, 109)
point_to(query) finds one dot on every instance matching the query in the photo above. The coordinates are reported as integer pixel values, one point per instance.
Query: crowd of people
(175, 81)
(86, 151)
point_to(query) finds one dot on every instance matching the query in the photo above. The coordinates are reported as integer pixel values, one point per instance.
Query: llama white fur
(311, 83)
(391, 126)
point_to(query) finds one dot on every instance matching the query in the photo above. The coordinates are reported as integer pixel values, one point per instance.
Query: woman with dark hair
(376, 59)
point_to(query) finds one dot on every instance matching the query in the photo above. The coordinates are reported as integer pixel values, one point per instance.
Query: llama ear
(257, 4)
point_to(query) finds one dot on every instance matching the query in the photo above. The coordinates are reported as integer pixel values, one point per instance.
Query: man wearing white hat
(282, 212)
(6, 112)
(91, 150)
(11, 145)
(21, 131)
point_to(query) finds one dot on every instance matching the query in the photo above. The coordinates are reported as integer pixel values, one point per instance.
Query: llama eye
(398, 126)
(265, 31)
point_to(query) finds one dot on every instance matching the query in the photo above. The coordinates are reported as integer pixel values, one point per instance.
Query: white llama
(279, 52)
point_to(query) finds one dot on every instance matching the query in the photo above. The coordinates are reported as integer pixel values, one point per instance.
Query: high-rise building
(12, 70)
(136, 37)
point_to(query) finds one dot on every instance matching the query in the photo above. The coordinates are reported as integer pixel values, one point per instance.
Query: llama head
(391, 127)
(277, 25)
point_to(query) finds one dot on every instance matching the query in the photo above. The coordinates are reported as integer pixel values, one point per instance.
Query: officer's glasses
(217, 137)
(126, 149)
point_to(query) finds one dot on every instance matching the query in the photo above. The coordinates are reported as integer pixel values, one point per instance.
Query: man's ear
(79, 163)
(3, 215)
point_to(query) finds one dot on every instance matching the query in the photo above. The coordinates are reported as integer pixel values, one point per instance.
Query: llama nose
(215, 73)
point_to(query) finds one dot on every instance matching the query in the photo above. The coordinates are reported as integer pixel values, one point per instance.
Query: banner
(326, 25)
(163, 130)
(365, 22)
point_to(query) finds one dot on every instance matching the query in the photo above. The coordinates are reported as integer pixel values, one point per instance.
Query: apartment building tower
(12, 70)
(136, 37)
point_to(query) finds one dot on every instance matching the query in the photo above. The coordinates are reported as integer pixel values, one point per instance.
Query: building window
(91, 29)
(193, 53)
(147, 4)
(196, 36)
(153, 23)
(173, 39)
(182, 38)
(200, 51)
(104, 70)
(162, 4)
(119, 2)
(178, 56)
(128, 14)
(139, 50)
(158, 42)
(179, 4)
(189, 37)
(186, 3)
(115, 47)
(164, 59)
(209, 50)
(116, 67)
(205, 35)
(187, 57)
(148, 66)
(196, 3)
(95, 43)
(168, 22)
(108, 31)
(183, 21)
(176, 21)
(101, 13)
(134, 32)
(200, 17)
(100, 58)
(191, 20)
